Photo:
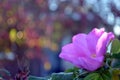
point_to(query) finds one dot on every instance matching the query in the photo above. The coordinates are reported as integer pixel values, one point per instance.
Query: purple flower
(87, 51)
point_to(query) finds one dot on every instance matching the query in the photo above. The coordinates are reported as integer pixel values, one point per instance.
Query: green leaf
(117, 56)
(72, 69)
(99, 75)
(106, 75)
(115, 48)
(69, 70)
(93, 76)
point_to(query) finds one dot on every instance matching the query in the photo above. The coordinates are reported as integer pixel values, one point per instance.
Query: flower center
(93, 55)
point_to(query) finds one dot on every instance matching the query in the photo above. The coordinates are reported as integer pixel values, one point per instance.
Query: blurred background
(32, 32)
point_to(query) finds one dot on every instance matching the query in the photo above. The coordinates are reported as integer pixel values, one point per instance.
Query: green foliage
(105, 75)
(99, 75)
(92, 76)
(116, 56)
(72, 70)
(115, 48)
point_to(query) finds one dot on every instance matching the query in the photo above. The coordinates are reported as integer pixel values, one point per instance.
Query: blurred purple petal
(93, 37)
(92, 64)
(80, 43)
(103, 42)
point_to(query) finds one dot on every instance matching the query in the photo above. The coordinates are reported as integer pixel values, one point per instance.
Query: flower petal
(87, 51)
(69, 50)
(92, 39)
(87, 63)
(69, 53)
(80, 43)
(103, 42)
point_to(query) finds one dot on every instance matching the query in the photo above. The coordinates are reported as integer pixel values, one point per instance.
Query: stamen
(93, 55)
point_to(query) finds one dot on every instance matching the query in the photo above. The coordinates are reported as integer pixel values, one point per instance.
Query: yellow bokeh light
(12, 35)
